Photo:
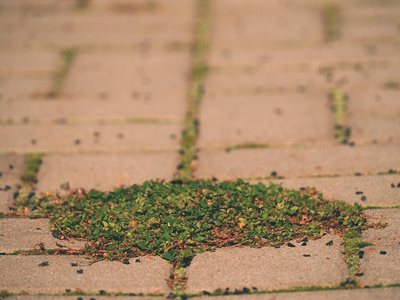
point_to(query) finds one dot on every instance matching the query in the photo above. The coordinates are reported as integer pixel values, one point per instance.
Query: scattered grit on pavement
(303, 93)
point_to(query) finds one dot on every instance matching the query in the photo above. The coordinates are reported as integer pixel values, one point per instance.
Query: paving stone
(375, 128)
(26, 234)
(11, 168)
(381, 265)
(355, 294)
(390, 235)
(270, 56)
(78, 138)
(91, 73)
(371, 101)
(135, 104)
(265, 119)
(268, 268)
(104, 171)
(24, 273)
(378, 189)
(28, 64)
(297, 162)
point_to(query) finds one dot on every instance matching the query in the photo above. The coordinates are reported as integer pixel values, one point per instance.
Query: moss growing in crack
(81, 4)
(330, 16)
(339, 107)
(392, 85)
(196, 89)
(24, 197)
(247, 146)
(67, 55)
(352, 244)
(178, 220)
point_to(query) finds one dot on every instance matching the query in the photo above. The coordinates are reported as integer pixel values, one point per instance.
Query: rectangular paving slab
(79, 138)
(365, 190)
(298, 162)
(268, 268)
(27, 234)
(11, 168)
(355, 294)
(103, 171)
(390, 235)
(56, 274)
(265, 119)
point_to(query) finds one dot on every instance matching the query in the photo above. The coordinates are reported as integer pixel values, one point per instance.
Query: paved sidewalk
(303, 93)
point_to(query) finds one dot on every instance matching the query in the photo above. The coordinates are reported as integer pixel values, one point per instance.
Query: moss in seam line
(82, 4)
(331, 22)
(196, 89)
(23, 199)
(68, 56)
(338, 101)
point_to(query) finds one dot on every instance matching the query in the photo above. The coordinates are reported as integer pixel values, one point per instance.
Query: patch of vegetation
(196, 90)
(68, 56)
(8, 121)
(81, 4)
(177, 220)
(132, 8)
(24, 197)
(392, 85)
(339, 107)
(151, 121)
(331, 21)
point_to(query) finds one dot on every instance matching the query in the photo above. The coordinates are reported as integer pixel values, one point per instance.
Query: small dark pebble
(351, 144)
(1, 174)
(79, 298)
(77, 142)
(96, 134)
(205, 293)
(291, 245)
(44, 264)
(305, 239)
(357, 174)
(306, 255)
(361, 254)
(359, 193)
(246, 290)
(7, 188)
(67, 290)
(302, 189)
(126, 262)
(273, 173)
(330, 243)
(276, 246)
(304, 244)
(102, 292)
(171, 295)
(363, 198)
(360, 274)
(33, 142)
(74, 264)
(393, 185)
(254, 289)
(65, 186)
(137, 260)
(92, 298)
(398, 185)
(80, 271)
(11, 167)
(383, 252)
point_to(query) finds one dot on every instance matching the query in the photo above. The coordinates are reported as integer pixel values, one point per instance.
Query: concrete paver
(114, 138)
(257, 120)
(104, 171)
(379, 190)
(268, 268)
(390, 234)
(11, 168)
(297, 162)
(356, 294)
(369, 101)
(27, 234)
(55, 274)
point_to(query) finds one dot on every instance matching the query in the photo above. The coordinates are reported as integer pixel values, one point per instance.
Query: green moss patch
(177, 220)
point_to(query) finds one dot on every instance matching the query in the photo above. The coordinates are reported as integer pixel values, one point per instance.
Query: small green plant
(330, 16)
(339, 107)
(81, 4)
(177, 220)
